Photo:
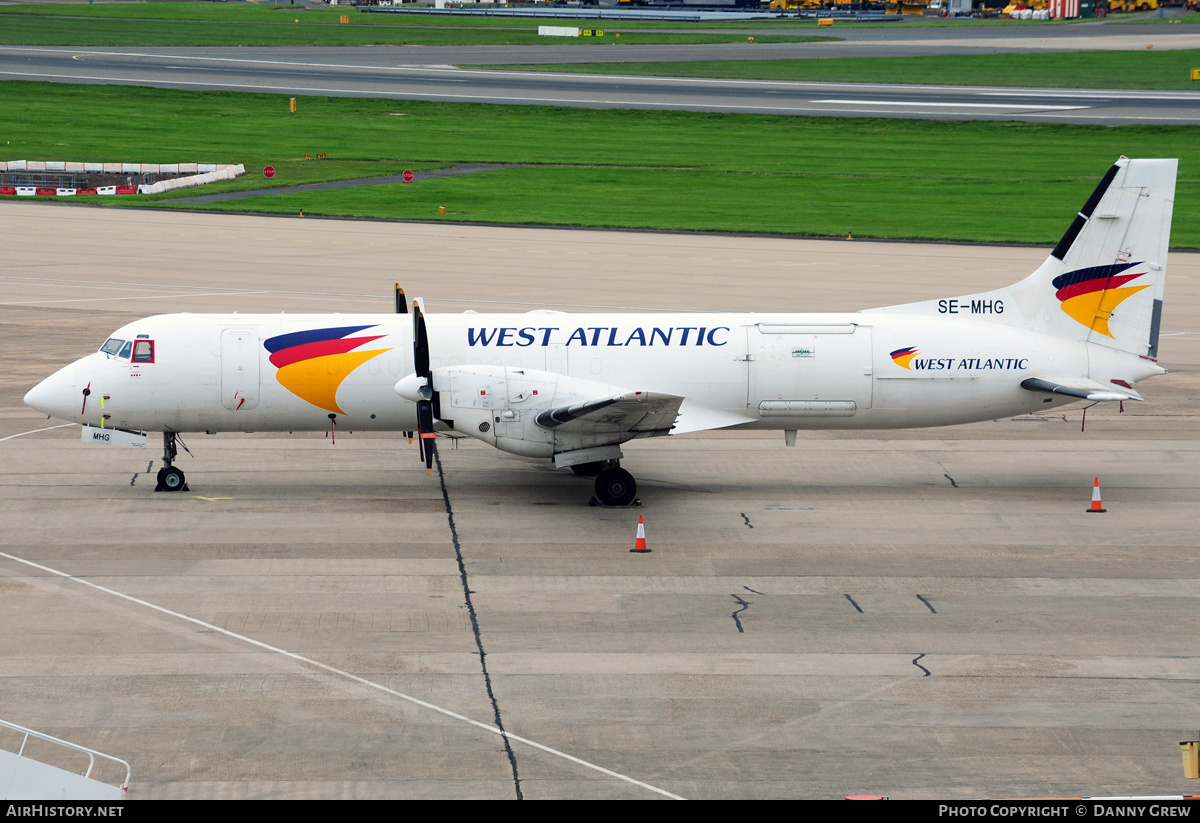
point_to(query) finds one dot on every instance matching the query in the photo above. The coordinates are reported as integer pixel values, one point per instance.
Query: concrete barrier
(26, 191)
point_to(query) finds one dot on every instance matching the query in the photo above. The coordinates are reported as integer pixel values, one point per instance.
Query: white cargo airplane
(571, 388)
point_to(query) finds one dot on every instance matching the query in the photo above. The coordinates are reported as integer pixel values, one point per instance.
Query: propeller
(425, 415)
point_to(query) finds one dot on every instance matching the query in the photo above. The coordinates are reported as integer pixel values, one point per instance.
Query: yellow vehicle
(1036, 5)
(1126, 6)
(793, 5)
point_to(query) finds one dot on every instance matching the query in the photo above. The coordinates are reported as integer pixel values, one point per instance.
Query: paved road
(429, 73)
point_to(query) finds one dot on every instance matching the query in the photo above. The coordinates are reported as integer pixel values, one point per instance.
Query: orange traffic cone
(639, 545)
(1096, 505)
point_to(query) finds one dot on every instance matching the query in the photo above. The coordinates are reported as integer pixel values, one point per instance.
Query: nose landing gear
(170, 479)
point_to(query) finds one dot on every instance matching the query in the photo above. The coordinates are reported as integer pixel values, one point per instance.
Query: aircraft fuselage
(284, 372)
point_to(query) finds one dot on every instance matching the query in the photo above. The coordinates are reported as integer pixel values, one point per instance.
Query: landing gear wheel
(588, 469)
(615, 487)
(171, 479)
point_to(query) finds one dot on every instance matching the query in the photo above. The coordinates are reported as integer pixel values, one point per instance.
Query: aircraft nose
(56, 395)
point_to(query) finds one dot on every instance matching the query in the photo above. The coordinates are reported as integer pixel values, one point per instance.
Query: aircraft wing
(642, 414)
(1081, 387)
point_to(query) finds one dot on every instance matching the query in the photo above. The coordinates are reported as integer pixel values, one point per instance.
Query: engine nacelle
(500, 405)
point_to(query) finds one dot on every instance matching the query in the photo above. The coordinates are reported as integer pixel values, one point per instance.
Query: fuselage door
(556, 359)
(240, 353)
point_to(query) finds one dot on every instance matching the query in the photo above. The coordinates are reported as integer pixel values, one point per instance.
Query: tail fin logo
(1090, 296)
(312, 364)
(902, 357)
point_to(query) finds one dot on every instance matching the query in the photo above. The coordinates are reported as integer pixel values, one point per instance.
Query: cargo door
(809, 370)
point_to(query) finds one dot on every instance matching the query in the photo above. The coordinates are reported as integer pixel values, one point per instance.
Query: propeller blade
(425, 418)
(420, 343)
(425, 410)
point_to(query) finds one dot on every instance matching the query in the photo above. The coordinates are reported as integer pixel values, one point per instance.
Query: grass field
(1144, 69)
(983, 181)
(237, 12)
(237, 24)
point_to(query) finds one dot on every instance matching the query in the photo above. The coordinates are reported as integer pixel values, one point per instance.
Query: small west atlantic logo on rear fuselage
(909, 358)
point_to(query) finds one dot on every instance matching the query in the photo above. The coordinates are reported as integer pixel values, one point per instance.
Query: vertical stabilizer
(1105, 279)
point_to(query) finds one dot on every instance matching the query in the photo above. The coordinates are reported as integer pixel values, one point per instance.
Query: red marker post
(408, 176)
(269, 172)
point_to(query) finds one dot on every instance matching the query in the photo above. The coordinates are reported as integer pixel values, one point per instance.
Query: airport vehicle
(1127, 6)
(571, 388)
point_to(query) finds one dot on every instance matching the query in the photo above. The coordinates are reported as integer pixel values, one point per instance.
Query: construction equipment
(1126, 6)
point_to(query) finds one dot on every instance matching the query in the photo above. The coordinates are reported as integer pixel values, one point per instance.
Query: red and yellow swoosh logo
(1090, 296)
(312, 364)
(902, 357)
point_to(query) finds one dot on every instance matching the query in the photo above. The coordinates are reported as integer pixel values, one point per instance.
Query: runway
(914, 614)
(447, 75)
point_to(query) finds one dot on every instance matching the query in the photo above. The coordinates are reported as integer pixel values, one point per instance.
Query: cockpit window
(126, 350)
(143, 351)
(112, 346)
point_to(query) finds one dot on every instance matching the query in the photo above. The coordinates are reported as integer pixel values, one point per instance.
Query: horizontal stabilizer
(1082, 388)
(644, 414)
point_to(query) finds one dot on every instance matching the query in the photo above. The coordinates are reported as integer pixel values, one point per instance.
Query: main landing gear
(614, 485)
(170, 479)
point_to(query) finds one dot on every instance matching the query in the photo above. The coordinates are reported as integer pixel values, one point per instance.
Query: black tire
(171, 479)
(588, 469)
(615, 487)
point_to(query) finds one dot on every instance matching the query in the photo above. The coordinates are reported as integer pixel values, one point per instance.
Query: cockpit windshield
(112, 346)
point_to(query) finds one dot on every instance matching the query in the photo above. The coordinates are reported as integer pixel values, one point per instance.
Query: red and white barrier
(1063, 9)
(198, 175)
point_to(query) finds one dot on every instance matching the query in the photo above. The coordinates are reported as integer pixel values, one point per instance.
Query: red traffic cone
(1096, 505)
(639, 545)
